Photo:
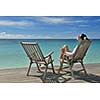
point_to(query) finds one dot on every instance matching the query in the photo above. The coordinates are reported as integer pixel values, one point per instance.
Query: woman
(65, 50)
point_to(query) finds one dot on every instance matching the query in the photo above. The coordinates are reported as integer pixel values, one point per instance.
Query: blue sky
(49, 27)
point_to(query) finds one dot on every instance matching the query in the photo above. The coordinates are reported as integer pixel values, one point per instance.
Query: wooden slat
(32, 54)
(82, 49)
(28, 50)
(39, 52)
(36, 52)
(33, 50)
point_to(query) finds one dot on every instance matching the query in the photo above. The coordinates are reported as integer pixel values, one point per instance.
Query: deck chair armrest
(49, 54)
(68, 57)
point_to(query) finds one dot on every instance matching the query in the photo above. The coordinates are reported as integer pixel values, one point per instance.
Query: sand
(18, 75)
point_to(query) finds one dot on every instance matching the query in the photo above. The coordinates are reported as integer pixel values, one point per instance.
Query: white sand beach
(18, 75)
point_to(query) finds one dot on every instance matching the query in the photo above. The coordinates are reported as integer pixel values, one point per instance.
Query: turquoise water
(12, 54)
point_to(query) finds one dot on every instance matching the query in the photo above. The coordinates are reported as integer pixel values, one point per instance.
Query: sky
(49, 27)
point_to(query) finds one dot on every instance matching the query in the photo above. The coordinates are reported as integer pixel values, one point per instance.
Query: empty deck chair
(77, 57)
(36, 56)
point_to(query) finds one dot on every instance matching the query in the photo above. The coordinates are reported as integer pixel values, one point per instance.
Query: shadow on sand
(91, 78)
(59, 78)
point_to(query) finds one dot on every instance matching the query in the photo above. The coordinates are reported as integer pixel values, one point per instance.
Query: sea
(12, 54)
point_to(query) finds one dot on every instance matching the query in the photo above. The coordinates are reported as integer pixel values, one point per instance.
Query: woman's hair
(83, 37)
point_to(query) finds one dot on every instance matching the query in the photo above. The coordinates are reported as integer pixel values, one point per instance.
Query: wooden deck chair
(35, 55)
(77, 57)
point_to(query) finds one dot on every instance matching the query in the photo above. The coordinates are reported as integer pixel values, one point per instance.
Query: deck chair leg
(83, 67)
(72, 74)
(44, 74)
(38, 67)
(52, 67)
(61, 65)
(29, 69)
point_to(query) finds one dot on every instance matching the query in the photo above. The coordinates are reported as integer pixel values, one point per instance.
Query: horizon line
(44, 38)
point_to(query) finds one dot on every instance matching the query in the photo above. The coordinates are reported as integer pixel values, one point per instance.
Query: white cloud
(54, 20)
(4, 35)
(98, 20)
(14, 23)
(62, 35)
(83, 25)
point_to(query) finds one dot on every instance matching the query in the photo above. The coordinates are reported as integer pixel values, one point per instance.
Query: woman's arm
(70, 53)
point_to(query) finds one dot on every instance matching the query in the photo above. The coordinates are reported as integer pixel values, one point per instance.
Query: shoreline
(18, 75)
(55, 65)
